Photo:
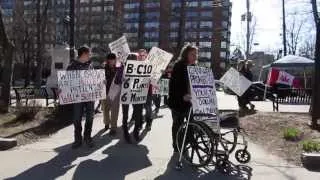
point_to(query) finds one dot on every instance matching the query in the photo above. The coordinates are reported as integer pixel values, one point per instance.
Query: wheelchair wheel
(228, 141)
(199, 146)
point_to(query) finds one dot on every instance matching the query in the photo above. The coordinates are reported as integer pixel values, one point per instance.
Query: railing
(293, 96)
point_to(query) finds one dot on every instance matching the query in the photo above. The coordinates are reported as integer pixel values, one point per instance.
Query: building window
(206, 44)
(206, 14)
(192, 24)
(96, 1)
(108, 8)
(132, 16)
(225, 24)
(151, 35)
(192, 14)
(206, 35)
(192, 4)
(206, 3)
(205, 55)
(173, 34)
(223, 44)
(131, 35)
(152, 15)
(152, 5)
(206, 24)
(150, 44)
(192, 35)
(131, 5)
(96, 9)
(223, 54)
(176, 5)
(130, 26)
(151, 25)
(174, 25)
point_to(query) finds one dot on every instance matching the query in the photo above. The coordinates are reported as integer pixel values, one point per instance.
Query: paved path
(112, 159)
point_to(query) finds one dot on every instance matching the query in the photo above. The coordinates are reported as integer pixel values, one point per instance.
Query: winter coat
(179, 87)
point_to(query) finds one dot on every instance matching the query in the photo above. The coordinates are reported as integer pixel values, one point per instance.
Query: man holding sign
(82, 63)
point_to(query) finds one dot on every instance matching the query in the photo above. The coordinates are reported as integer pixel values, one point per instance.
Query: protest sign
(81, 86)
(236, 81)
(121, 48)
(159, 60)
(136, 82)
(164, 87)
(203, 93)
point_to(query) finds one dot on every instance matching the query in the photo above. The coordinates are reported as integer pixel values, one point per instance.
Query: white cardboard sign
(203, 93)
(136, 82)
(121, 48)
(159, 60)
(236, 81)
(81, 86)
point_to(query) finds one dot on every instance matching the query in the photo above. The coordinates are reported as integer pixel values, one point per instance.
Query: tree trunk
(316, 85)
(8, 48)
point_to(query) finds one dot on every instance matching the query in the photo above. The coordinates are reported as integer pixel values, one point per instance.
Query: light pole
(71, 38)
(284, 29)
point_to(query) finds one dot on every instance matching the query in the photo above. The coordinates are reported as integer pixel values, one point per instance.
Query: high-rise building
(171, 23)
(168, 24)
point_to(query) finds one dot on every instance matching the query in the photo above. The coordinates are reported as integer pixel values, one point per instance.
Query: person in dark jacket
(248, 74)
(82, 63)
(179, 89)
(111, 106)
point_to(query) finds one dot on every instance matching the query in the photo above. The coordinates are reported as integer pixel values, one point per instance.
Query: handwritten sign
(81, 86)
(159, 60)
(236, 81)
(121, 48)
(136, 82)
(203, 92)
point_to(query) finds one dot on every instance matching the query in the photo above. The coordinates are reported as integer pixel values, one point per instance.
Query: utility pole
(71, 38)
(248, 28)
(284, 29)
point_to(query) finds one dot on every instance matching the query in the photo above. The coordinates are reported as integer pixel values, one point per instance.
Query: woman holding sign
(179, 90)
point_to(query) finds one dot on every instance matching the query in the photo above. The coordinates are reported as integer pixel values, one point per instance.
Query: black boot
(126, 135)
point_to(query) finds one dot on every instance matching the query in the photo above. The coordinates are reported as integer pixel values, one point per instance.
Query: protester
(248, 74)
(241, 69)
(179, 90)
(111, 106)
(82, 63)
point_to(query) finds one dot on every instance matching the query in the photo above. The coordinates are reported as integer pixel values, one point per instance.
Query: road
(113, 159)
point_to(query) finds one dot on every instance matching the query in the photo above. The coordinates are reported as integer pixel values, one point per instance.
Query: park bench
(292, 96)
(24, 94)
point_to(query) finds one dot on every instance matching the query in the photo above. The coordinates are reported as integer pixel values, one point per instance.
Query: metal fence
(294, 96)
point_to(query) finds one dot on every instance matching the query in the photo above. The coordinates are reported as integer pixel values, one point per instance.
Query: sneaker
(136, 135)
(106, 127)
(89, 142)
(148, 127)
(127, 138)
(76, 145)
(113, 132)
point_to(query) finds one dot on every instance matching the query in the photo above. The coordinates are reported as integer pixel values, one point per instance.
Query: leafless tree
(293, 32)
(252, 32)
(7, 48)
(307, 48)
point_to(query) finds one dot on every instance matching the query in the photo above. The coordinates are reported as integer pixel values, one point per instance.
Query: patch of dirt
(267, 129)
(26, 131)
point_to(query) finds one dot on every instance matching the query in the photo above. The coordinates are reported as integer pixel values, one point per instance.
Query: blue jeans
(78, 110)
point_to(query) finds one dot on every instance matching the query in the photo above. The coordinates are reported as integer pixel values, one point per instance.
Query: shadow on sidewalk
(188, 172)
(122, 160)
(62, 162)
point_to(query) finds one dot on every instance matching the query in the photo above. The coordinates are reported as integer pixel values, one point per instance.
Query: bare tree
(293, 32)
(307, 48)
(243, 39)
(7, 51)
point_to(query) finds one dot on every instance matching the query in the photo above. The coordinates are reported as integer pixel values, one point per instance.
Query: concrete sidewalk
(53, 158)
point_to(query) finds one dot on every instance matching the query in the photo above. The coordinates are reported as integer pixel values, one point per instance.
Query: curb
(311, 161)
(7, 143)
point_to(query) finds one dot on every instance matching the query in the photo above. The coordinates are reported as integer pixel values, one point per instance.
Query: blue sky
(268, 15)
